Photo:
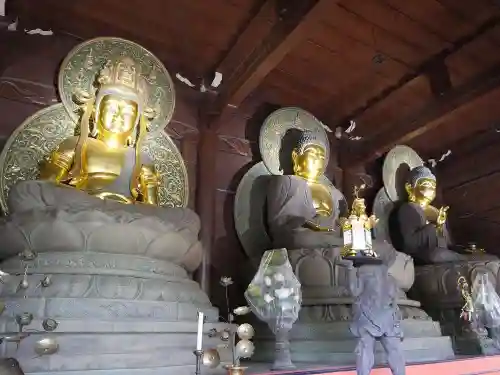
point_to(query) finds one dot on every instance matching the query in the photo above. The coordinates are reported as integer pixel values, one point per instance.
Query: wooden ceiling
(423, 72)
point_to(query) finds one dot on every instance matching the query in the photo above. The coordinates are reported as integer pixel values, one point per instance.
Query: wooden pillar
(205, 200)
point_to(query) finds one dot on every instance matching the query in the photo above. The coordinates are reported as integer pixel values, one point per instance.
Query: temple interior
(152, 151)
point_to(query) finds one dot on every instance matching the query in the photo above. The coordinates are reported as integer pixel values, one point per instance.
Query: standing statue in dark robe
(376, 317)
(421, 228)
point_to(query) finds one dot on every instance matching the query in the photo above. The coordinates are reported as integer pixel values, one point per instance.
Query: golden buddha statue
(72, 166)
(422, 227)
(113, 126)
(301, 207)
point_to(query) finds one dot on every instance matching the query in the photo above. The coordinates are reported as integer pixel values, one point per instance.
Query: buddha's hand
(442, 216)
(148, 178)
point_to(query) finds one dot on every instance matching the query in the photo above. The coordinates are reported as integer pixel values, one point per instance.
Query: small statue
(357, 232)
(422, 227)
(301, 207)
(102, 160)
(376, 317)
(467, 313)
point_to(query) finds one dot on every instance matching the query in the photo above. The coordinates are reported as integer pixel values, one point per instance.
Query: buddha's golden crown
(123, 71)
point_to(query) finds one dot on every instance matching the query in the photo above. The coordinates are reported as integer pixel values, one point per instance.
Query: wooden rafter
(425, 119)
(428, 68)
(252, 58)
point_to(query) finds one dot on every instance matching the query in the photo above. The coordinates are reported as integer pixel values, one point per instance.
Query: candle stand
(199, 358)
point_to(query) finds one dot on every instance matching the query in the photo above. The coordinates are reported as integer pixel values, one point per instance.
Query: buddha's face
(117, 115)
(423, 192)
(310, 164)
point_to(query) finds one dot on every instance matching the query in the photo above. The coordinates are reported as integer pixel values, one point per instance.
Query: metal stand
(199, 358)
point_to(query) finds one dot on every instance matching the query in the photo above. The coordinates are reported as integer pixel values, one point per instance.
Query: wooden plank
(422, 69)
(459, 130)
(473, 163)
(474, 197)
(423, 121)
(247, 70)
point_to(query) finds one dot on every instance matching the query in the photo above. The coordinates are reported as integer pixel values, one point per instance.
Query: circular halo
(42, 133)
(398, 162)
(382, 208)
(274, 129)
(81, 66)
(249, 212)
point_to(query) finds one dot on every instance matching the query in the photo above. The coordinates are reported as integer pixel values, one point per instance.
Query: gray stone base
(333, 344)
(122, 314)
(99, 347)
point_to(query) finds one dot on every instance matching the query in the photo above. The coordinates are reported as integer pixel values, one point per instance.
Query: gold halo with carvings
(42, 133)
(80, 68)
(277, 124)
(397, 164)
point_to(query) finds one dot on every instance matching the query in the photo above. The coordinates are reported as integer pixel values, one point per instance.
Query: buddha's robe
(289, 206)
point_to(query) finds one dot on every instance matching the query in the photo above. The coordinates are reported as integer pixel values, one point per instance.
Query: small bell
(24, 319)
(47, 281)
(24, 284)
(46, 346)
(225, 335)
(49, 325)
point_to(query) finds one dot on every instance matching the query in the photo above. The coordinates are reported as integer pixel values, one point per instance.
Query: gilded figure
(104, 160)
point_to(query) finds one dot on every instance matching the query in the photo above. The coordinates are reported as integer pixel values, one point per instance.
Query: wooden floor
(472, 366)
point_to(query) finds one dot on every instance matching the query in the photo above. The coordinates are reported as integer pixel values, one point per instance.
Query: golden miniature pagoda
(357, 232)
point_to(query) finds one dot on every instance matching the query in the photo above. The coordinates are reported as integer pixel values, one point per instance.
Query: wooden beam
(427, 66)
(255, 54)
(439, 78)
(425, 119)
(63, 19)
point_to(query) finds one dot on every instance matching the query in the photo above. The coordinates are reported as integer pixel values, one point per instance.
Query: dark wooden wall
(471, 186)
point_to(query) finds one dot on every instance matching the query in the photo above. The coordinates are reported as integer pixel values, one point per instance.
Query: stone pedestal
(121, 314)
(116, 279)
(436, 288)
(321, 335)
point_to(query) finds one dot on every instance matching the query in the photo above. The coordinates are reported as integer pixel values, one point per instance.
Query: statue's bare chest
(322, 199)
(103, 165)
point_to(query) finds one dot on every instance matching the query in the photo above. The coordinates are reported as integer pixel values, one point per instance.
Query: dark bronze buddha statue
(421, 228)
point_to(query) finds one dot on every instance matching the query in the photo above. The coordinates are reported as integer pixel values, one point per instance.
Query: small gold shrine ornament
(357, 232)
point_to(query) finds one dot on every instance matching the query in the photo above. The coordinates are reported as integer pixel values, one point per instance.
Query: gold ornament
(81, 67)
(245, 331)
(275, 127)
(244, 349)
(46, 346)
(211, 358)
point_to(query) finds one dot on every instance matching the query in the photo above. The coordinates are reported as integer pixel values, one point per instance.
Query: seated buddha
(301, 207)
(421, 228)
(103, 160)
(100, 176)
(303, 212)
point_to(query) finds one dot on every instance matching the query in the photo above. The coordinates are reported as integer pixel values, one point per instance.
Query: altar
(152, 155)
